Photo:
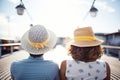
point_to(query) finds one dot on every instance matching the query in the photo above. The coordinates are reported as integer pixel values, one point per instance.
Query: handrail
(112, 47)
(109, 46)
(10, 44)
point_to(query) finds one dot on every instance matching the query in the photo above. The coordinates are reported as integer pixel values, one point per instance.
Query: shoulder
(63, 65)
(107, 67)
(16, 64)
(63, 70)
(101, 62)
(63, 62)
(108, 70)
(51, 64)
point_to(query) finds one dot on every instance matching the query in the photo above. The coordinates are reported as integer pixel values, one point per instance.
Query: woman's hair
(85, 54)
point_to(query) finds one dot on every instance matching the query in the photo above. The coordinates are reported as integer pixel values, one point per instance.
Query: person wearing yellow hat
(85, 50)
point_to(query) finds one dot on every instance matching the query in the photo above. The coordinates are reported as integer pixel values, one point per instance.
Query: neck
(35, 56)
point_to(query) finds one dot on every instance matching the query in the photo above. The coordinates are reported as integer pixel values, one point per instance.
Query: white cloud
(113, 0)
(104, 6)
(61, 16)
(14, 1)
(10, 28)
(3, 19)
(17, 1)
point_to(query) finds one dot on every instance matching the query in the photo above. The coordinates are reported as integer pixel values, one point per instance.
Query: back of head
(85, 46)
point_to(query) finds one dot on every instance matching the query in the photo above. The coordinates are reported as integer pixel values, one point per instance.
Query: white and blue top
(78, 70)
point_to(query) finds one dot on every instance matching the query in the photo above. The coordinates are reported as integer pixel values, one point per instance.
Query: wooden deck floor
(6, 61)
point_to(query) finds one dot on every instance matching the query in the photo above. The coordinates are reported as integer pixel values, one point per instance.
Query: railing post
(11, 49)
(107, 51)
(119, 54)
(0, 51)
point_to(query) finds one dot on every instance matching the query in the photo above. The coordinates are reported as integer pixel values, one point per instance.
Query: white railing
(107, 47)
(11, 47)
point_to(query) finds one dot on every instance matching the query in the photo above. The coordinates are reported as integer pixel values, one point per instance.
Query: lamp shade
(20, 9)
(93, 11)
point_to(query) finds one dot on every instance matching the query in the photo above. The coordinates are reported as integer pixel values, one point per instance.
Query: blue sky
(60, 16)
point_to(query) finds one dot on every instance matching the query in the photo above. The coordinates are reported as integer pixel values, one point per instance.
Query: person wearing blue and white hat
(36, 41)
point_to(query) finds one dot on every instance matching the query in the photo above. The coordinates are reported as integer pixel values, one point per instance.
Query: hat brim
(85, 43)
(32, 50)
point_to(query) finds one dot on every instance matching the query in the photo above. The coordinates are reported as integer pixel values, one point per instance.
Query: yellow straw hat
(84, 37)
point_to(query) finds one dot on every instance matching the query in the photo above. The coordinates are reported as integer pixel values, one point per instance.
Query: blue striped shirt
(34, 69)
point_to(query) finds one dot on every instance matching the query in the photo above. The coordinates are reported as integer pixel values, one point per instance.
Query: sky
(60, 16)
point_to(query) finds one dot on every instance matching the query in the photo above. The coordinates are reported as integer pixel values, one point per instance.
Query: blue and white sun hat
(38, 40)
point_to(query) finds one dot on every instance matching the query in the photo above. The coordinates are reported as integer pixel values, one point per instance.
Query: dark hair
(85, 54)
(35, 56)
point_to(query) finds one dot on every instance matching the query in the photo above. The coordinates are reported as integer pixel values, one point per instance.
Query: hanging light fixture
(20, 8)
(93, 11)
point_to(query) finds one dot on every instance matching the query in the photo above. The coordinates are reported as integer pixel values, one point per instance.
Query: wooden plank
(4, 75)
(115, 77)
(18, 55)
